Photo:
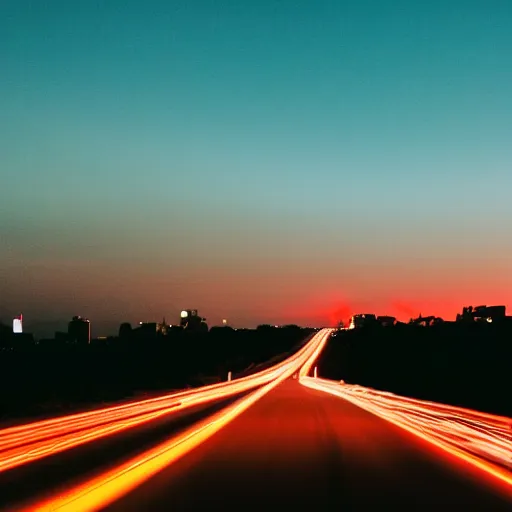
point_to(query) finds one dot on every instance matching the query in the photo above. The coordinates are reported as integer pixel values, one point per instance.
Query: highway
(268, 442)
(23, 444)
(299, 448)
(481, 439)
(66, 468)
(56, 463)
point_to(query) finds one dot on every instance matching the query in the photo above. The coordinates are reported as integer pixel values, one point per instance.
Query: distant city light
(224, 321)
(17, 325)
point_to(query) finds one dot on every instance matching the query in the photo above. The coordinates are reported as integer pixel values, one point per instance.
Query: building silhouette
(148, 328)
(482, 314)
(79, 331)
(362, 320)
(386, 321)
(191, 321)
(188, 316)
(426, 321)
(125, 330)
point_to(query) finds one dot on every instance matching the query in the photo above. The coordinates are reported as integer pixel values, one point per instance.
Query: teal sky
(274, 161)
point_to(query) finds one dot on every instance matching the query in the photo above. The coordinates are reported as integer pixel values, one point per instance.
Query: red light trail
(484, 440)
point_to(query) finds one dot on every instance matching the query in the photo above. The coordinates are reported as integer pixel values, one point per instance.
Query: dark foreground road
(299, 449)
(54, 474)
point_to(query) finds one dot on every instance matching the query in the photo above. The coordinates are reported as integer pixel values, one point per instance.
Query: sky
(262, 161)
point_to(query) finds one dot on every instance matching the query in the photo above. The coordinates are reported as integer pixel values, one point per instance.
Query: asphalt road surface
(58, 472)
(300, 449)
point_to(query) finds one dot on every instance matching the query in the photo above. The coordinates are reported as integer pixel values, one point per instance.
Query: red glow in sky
(276, 292)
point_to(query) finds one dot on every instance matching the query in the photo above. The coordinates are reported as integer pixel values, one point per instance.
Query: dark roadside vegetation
(468, 365)
(53, 378)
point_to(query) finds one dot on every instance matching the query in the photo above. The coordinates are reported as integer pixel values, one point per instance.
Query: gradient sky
(262, 161)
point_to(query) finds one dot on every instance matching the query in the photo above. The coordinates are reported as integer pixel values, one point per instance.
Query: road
(26, 443)
(299, 448)
(65, 469)
(284, 444)
(481, 439)
(62, 462)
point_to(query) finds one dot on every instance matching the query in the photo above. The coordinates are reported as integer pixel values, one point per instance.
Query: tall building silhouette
(125, 330)
(79, 331)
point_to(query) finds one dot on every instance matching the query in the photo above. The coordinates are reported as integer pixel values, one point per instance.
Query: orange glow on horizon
(330, 309)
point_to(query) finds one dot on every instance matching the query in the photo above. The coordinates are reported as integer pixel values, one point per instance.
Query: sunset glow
(272, 163)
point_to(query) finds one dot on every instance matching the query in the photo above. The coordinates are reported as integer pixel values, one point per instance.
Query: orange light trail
(484, 440)
(33, 441)
(107, 487)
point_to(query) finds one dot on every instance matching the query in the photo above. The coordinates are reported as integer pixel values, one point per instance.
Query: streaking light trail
(105, 488)
(484, 440)
(27, 443)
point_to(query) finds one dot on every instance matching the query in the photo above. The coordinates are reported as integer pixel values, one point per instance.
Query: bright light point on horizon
(17, 326)
(184, 314)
